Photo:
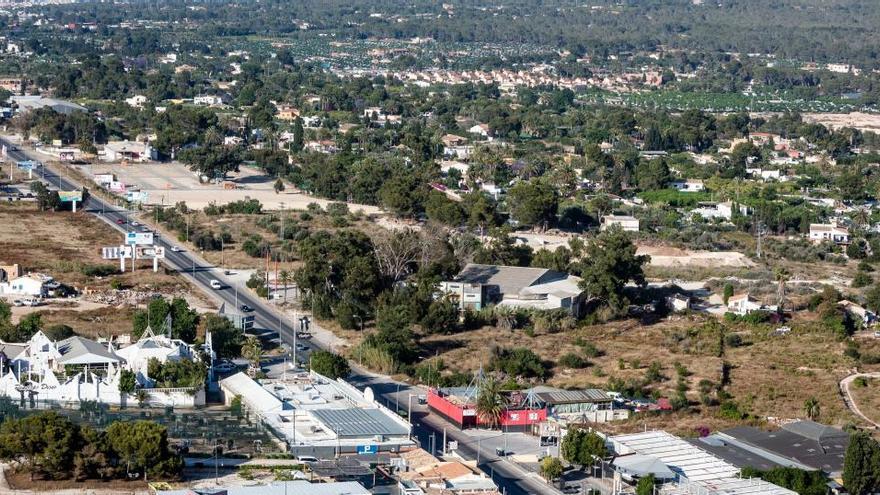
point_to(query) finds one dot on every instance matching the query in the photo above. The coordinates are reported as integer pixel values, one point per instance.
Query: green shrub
(573, 361)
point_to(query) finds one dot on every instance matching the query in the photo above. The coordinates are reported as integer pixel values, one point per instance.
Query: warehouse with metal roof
(696, 470)
(320, 417)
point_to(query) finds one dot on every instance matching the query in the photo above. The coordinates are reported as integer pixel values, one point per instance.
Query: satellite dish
(368, 394)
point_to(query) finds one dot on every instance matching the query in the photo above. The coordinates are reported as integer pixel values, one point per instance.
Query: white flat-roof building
(296, 487)
(32, 284)
(828, 232)
(317, 416)
(626, 222)
(689, 185)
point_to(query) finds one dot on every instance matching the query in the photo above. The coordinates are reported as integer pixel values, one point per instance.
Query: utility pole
(758, 232)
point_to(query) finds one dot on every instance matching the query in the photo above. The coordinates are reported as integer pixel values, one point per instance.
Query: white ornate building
(91, 370)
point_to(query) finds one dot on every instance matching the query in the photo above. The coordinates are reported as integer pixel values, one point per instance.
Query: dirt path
(848, 399)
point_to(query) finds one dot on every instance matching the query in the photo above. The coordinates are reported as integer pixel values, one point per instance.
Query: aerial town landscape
(440, 248)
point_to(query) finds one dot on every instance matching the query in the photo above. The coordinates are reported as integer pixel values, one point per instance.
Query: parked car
(31, 302)
(571, 489)
(215, 284)
(224, 367)
(18, 302)
(306, 458)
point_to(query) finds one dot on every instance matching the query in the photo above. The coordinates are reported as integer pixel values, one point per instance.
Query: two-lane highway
(510, 478)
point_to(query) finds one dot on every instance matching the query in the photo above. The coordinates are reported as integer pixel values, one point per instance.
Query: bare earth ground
(169, 183)
(61, 243)
(663, 256)
(868, 398)
(856, 120)
(771, 378)
(21, 481)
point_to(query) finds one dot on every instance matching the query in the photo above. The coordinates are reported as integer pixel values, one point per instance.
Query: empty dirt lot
(170, 183)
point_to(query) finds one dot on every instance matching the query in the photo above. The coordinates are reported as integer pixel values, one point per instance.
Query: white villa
(78, 369)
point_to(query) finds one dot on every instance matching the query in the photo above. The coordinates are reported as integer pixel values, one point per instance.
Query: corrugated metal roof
(697, 466)
(354, 422)
(509, 279)
(574, 396)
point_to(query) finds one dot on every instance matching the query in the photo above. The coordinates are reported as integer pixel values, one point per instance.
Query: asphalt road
(510, 478)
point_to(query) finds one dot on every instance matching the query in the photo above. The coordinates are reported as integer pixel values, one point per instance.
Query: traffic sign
(367, 449)
(141, 238)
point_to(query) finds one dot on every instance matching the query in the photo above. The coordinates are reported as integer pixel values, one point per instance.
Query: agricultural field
(726, 102)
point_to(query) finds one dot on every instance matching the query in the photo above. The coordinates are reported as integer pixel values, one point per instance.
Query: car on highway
(246, 309)
(215, 284)
(302, 348)
(135, 223)
(176, 249)
(120, 221)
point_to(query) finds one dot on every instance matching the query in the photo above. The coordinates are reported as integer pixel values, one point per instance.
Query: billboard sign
(367, 449)
(116, 186)
(137, 196)
(141, 238)
(114, 253)
(150, 252)
(70, 196)
(28, 165)
(104, 179)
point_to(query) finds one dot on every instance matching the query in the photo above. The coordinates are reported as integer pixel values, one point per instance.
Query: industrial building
(684, 467)
(320, 417)
(804, 445)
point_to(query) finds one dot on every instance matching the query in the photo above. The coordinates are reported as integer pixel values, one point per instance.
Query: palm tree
(782, 275)
(252, 351)
(285, 277)
(811, 408)
(490, 403)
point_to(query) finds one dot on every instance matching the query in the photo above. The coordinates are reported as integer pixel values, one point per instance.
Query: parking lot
(170, 183)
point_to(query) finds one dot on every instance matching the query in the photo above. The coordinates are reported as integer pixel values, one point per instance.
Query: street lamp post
(409, 414)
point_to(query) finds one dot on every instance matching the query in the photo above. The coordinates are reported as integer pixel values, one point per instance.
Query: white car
(176, 249)
(215, 284)
(31, 302)
(224, 367)
(306, 458)
(135, 223)
(18, 302)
